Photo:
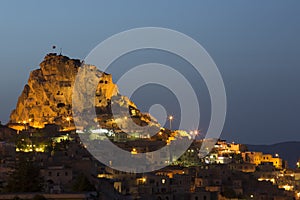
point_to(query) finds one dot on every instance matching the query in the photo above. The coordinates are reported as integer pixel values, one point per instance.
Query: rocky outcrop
(47, 97)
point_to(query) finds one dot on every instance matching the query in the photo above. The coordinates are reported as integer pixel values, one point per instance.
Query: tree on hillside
(25, 178)
(82, 184)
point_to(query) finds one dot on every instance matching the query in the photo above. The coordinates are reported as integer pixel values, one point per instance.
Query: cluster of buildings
(68, 171)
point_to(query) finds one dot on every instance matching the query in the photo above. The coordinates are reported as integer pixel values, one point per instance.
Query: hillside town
(57, 165)
(43, 155)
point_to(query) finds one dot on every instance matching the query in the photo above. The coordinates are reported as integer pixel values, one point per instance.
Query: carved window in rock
(98, 93)
(59, 93)
(103, 81)
(60, 105)
(65, 83)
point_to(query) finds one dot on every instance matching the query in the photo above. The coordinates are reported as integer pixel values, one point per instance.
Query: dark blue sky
(255, 44)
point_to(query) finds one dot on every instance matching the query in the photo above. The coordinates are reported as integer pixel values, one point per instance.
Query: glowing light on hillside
(287, 187)
(266, 179)
(134, 151)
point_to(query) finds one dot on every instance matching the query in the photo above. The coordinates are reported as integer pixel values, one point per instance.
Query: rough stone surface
(47, 97)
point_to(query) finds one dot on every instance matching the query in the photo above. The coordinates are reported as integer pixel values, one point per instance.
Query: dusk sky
(255, 44)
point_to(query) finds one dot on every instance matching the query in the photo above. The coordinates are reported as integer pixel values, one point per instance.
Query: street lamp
(170, 119)
(194, 133)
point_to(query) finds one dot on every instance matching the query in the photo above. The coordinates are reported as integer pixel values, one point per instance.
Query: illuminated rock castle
(47, 97)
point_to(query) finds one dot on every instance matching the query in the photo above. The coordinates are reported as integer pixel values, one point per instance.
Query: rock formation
(47, 97)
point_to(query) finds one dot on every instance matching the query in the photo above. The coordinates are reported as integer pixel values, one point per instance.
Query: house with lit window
(258, 158)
